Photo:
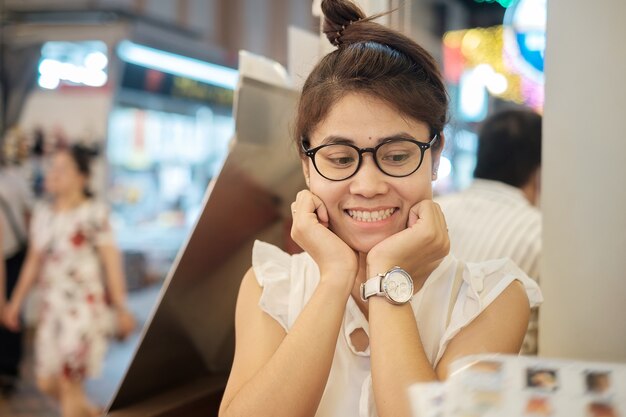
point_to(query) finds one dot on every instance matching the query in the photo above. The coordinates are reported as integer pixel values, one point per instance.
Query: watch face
(398, 286)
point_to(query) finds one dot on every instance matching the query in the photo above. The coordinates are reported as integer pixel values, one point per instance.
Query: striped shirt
(492, 220)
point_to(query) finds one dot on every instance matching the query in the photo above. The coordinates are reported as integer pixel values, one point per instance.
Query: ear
(536, 189)
(84, 181)
(306, 170)
(436, 155)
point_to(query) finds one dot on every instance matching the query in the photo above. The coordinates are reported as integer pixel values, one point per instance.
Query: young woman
(71, 242)
(375, 303)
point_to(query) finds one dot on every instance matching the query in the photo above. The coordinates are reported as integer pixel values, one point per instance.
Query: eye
(342, 160)
(395, 157)
(338, 156)
(398, 152)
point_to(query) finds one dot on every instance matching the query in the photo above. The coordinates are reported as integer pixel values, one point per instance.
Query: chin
(363, 244)
(365, 249)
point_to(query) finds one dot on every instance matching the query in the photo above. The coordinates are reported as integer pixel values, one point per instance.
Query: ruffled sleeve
(272, 269)
(40, 233)
(482, 283)
(288, 281)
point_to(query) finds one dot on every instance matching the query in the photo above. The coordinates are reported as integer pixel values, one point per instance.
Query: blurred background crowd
(147, 87)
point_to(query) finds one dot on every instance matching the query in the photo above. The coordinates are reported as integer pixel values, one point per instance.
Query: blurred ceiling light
(472, 97)
(445, 168)
(48, 82)
(96, 61)
(483, 73)
(74, 63)
(471, 41)
(497, 84)
(178, 65)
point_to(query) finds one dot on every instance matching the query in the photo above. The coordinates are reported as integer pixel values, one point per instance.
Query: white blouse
(289, 281)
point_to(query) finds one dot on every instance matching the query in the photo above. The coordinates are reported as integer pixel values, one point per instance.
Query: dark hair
(374, 60)
(82, 156)
(509, 147)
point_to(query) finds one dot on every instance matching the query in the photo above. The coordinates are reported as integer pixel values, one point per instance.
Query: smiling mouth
(371, 216)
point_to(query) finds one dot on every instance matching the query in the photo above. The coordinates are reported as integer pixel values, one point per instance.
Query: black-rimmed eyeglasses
(394, 157)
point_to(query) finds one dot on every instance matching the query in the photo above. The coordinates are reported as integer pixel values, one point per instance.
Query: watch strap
(372, 286)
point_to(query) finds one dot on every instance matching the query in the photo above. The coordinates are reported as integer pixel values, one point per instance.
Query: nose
(369, 181)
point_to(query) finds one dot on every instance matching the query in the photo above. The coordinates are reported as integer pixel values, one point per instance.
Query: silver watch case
(396, 285)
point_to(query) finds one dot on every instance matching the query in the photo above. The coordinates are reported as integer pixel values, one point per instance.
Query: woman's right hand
(11, 317)
(310, 231)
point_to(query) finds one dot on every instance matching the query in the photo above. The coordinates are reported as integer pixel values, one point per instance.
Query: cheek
(330, 193)
(417, 189)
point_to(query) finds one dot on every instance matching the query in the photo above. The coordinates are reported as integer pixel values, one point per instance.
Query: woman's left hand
(125, 323)
(418, 249)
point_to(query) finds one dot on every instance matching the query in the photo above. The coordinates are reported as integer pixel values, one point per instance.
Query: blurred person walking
(497, 216)
(2, 277)
(15, 205)
(71, 245)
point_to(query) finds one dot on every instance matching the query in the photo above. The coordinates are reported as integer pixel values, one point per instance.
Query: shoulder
(95, 213)
(486, 281)
(493, 294)
(250, 288)
(499, 328)
(449, 200)
(250, 313)
(513, 301)
(42, 209)
(95, 207)
(491, 312)
(287, 281)
(271, 264)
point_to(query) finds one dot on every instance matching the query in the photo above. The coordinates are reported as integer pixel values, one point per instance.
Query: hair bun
(90, 151)
(338, 15)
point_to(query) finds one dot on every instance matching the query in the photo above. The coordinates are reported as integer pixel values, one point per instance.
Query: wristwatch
(396, 285)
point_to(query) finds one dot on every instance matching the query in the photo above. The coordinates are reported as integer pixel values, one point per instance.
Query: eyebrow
(335, 139)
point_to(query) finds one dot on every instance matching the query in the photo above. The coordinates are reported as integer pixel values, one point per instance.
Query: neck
(69, 201)
(531, 188)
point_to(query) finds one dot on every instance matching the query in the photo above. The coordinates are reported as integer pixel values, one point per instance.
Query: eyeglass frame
(423, 148)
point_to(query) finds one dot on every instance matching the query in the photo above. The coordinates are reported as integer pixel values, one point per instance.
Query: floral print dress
(74, 319)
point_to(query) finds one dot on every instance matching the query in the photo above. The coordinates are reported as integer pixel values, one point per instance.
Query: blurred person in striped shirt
(497, 216)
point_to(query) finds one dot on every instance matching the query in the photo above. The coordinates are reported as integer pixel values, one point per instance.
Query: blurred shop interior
(151, 84)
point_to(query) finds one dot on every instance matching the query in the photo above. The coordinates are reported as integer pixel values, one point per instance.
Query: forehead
(62, 159)
(364, 119)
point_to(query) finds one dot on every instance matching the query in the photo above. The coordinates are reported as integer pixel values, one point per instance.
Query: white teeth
(371, 216)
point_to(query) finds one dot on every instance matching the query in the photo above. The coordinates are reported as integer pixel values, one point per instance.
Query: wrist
(120, 308)
(377, 267)
(336, 283)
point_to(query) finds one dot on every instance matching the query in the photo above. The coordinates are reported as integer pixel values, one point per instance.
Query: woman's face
(63, 176)
(365, 121)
